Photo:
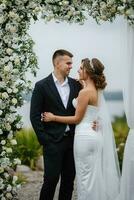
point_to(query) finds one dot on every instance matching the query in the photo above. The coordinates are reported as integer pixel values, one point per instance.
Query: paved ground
(30, 190)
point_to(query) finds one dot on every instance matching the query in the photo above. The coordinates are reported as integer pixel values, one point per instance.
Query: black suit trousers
(58, 162)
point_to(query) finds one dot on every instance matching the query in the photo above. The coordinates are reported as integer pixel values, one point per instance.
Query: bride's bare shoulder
(87, 91)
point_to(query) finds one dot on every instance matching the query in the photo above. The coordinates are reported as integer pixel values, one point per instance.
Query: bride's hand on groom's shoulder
(47, 117)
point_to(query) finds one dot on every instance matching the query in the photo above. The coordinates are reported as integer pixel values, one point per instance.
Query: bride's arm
(83, 99)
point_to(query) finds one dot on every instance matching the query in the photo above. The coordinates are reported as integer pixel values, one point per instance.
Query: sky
(89, 40)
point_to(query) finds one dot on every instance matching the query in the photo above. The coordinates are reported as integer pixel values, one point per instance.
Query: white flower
(17, 61)
(15, 71)
(15, 178)
(3, 198)
(2, 6)
(14, 101)
(103, 5)
(18, 125)
(12, 108)
(3, 153)
(1, 132)
(9, 51)
(1, 169)
(5, 162)
(7, 126)
(17, 161)
(13, 29)
(1, 112)
(121, 9)
(129, 12)
(13, 142)
(18, 186)
(7, 68)
(9, 195)
(6, 175)
(1, 19)
(9, 150)
(9, 90)
(15, 90)
(1, 186)
(1, 180)
(9, 188)
(10, 136)
(3, 142)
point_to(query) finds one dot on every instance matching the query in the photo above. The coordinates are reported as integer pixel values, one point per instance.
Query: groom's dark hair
(61, 52)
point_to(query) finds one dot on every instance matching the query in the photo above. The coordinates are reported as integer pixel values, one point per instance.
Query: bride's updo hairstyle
(95, 70)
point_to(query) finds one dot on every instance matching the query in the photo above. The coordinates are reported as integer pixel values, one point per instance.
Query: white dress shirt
(64, 91)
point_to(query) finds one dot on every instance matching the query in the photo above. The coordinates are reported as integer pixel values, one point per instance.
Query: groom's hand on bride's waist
(95, 125)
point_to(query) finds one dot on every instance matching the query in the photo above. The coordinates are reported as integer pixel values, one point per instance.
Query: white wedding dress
(88, 155)
(95, 156)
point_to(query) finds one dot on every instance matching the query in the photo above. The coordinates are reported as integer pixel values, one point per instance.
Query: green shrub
(28, 148)
(121, 129)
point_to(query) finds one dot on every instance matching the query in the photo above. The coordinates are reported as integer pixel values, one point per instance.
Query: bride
(96, 162)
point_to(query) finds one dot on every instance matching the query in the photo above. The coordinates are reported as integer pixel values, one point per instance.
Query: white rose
(8, 126)
(1, 132)
(9, 195)
(9, 90)
(15, 71)
(15, 178)
(6, 59)
(2, 6)
(9, 150)
(3, 198)
(17, 61)
(3, 142)
(1, 169)
(3, 153)
(9, 51)
(1, 180)
(6, 175)
(19, 125)
(10, 136)
(5, 162)
(7, 68)
(1, 19)
(129, 11)
(1, 112)
(121, 9)
(14, 101)
(1, 186)
(17, 161)
(12, 108)
(9, 188)
(5, 95)
(13, 29)
(103, 5)
(13, 142)
(15, 90)
(103, 17)
(18, 186)
(65, 3)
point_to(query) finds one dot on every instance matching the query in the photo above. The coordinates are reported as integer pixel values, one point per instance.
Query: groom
(55, 94)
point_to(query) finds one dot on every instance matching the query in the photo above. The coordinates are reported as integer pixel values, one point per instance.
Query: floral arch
(17, 58)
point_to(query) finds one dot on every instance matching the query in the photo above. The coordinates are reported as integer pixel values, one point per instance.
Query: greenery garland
(17, 58)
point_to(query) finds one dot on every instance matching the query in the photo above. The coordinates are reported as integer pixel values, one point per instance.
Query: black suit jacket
(45, 98)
